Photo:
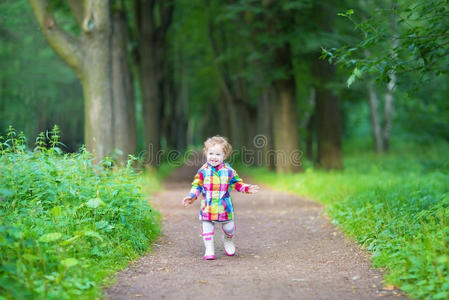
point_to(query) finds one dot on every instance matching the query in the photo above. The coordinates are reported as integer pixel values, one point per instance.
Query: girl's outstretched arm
(195, 191)
(237, 183)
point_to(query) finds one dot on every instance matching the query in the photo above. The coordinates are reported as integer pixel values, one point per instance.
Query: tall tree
(280, 22)
(327, 109)
(122, 89)
(328, 117)
(230, 69)
(89, 55)
(252, 40)
(153, 19)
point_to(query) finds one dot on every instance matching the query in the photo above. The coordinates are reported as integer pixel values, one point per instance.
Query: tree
(238, 112)
(89, 55)
(153, 19)
(122, 89)
(327, 108)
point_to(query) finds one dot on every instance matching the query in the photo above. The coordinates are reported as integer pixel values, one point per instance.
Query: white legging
(228, 227)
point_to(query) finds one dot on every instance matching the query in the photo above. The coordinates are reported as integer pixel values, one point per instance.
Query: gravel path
(286, 249)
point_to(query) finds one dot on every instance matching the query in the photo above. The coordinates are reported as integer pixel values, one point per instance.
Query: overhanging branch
(65, 45)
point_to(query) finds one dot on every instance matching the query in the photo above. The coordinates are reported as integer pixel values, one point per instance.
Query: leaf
(50, 237)
(84, 286)
(346, 13)
(69, 262)
(94, 203)
(70, 240)
(56, 211)
(356, 73)
(350, 80)
(93, 234)
(442, 259)
(30, 257)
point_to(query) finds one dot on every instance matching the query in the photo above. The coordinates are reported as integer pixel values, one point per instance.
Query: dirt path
(286, 249)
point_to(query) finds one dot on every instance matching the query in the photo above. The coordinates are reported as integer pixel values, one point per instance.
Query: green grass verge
(396, 206)
(66, 224)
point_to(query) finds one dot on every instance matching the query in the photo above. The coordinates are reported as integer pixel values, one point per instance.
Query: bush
(66, 223)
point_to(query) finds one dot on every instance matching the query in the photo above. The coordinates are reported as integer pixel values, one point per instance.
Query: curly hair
(218, 140)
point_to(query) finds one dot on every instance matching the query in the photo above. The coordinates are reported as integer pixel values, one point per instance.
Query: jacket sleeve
(237, 183)
(197, 185)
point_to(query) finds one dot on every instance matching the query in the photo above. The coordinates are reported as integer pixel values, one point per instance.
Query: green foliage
(65, 223)
(396, 206)
(397, 37)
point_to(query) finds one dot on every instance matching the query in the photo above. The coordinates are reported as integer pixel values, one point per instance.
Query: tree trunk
(311, 128)
(223, 121)
(328, 117)
(285, 119)
(285, 127)
(152, 39)
(226, 93)
(389, 97)
(375, 122)
(123, 94)
(90, 56)
(388, 113)
(181, 111)
(327, 112)
(97, 90)
(265, 124)
(308, 122)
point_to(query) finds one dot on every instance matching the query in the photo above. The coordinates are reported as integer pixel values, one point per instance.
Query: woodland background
(171, 73)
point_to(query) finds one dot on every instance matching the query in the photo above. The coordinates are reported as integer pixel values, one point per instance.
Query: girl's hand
(252, 189)
(187, 200)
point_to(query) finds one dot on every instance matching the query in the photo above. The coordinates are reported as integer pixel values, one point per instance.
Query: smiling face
(215, 155)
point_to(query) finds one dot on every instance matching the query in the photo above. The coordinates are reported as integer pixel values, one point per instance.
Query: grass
(394, 205)
(66, 224)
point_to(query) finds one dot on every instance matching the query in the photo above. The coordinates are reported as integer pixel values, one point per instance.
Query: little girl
(214, 180)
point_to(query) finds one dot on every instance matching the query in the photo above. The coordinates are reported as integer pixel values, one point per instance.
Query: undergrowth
(395, 205)
(66, 224)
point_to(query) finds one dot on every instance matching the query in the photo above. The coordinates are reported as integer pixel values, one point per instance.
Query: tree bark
(308, 122)
(389, 97)
(90, 56)
(327, 112)
(328, 117)
(151, 45)
(388, 113)
(285, 119)
(265, 129)
(311, 128)
(374, 114)
(227, 93)
(123, 93)
(181, 110)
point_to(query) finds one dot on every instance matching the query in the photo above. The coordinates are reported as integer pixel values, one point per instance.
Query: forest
(344, 102)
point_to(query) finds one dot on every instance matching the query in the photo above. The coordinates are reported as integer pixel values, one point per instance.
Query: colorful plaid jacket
(215, 183)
